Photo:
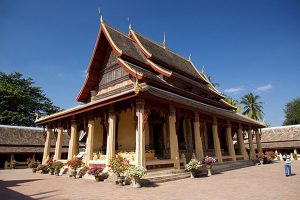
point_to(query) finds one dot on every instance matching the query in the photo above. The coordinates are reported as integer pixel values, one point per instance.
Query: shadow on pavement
(8, 194)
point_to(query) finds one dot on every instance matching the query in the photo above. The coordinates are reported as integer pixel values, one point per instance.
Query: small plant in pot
(119, 166)
(49, 163)
(192, 167)
(97, 172)
(44, 169)
(82, 171)
(33, 165)
(74, 164)
(57, 165)
(209, 162)
(261, 157)
(135, 173)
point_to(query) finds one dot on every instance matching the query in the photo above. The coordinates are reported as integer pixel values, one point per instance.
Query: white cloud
(233, 90)
(264, 88)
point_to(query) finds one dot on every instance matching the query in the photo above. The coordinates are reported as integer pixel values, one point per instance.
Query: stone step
(165, 175)
(231, 165)
(165, 178)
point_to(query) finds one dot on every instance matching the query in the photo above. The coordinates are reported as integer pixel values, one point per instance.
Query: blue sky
(246, 46)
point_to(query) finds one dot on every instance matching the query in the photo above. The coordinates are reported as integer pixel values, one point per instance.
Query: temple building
(279, 140)
(145, 102)
(19, 143)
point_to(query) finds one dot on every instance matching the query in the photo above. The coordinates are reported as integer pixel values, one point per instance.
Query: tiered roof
(157, 67)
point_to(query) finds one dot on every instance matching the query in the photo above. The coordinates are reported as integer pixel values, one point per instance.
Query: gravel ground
(257, 182)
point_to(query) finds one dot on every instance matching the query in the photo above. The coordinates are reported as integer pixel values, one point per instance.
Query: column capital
(196, 117)
(215, 121)
(111, 110)
(49, 126)
(140, 103)
(240, 126)
(172, 110)
(73, 120)
(228, 124)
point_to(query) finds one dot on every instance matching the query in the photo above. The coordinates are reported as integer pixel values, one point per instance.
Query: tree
(20, 100)
(252, 108)
(233, 102)
(292, 112)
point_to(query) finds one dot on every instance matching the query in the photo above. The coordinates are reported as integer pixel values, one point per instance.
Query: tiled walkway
(258, 182)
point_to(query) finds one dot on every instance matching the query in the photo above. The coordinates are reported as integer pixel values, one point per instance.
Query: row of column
(140, 139)
(230, 146)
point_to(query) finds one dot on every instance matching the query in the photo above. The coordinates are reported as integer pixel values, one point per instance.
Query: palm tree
(233, 102)
(252, 108)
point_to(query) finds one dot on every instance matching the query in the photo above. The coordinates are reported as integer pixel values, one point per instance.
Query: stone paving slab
(257, 182)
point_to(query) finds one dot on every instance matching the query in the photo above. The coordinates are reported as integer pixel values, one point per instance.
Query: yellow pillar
(251, 145)
(217, 146)
(110, 148)
(230, 142)
(173, 138)
(258, 141)
(140, 135)
(47, 144)
(90, 140)
(58, 145)
(72, 145)
(241, 144)
(198, 139)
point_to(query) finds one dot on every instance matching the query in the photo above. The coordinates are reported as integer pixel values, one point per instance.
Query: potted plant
(192, 167)
(119, 165)
(209, 161)
(82, 171)
(44, 169)
(33, 165)
(74, 164)
(97, 172)
(261, 157)
(57, 165)
(135, 173)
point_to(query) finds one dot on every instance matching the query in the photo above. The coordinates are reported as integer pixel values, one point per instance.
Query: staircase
(164, 175)
(231, 165)
(170, 174)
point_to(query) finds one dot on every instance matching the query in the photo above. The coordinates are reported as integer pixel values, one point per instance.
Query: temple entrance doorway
(156, 134)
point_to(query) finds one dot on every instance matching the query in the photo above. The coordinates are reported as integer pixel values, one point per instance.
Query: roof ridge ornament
(164, 42)
(190, 57)
(130, 26)
(101, 18)
(202, 69)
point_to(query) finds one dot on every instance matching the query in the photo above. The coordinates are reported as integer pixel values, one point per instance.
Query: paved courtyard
(258, 182)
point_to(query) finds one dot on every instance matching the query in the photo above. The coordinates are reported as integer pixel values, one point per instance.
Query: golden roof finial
(137, 87)
(164, 42)
(36, 115)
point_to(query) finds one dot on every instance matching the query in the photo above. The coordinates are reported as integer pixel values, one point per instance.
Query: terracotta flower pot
(121, 180)
(136, 182)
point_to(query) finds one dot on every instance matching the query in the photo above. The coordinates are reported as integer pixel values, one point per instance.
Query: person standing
(287, 164)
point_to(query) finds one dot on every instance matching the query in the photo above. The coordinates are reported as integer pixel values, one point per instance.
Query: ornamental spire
(130, 27)
(101, 18)
(190, 57)
(202, 69)
(164, 42)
